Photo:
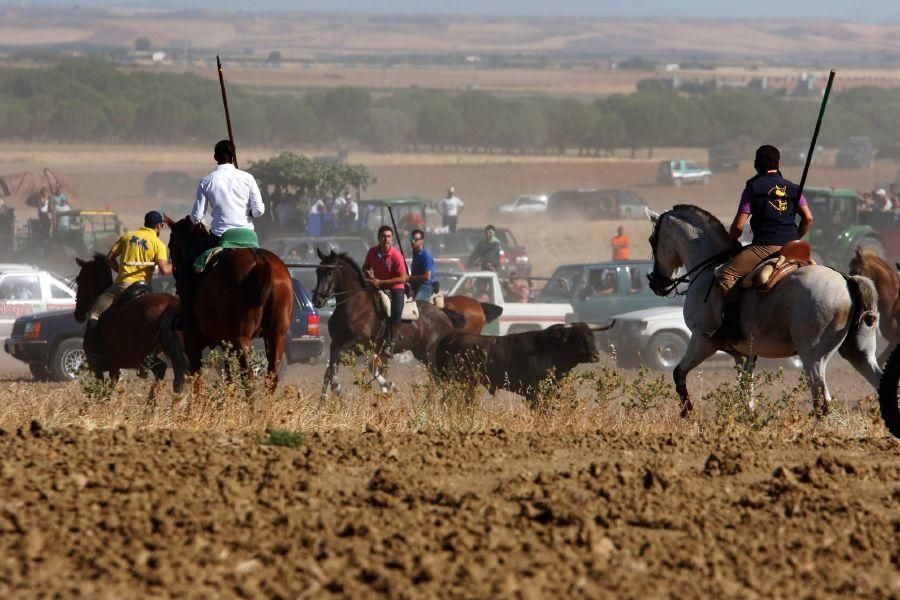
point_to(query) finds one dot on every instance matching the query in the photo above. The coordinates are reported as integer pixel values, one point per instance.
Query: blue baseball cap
(152, 219)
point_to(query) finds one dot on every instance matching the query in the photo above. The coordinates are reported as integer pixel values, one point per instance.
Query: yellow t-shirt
(140, 245)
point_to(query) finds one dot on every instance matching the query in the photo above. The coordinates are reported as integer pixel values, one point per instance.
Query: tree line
(83, 101)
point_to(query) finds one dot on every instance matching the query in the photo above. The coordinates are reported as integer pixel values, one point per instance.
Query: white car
(25, 290)
(528, 204)
(658, 338)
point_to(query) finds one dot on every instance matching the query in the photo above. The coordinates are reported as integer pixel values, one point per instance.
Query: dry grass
(591, 399)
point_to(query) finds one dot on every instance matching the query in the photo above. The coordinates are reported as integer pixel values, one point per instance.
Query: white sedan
(25, 290)
(658, 338)
(525, 205)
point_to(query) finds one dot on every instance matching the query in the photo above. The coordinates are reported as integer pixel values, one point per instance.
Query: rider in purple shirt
(772, 203)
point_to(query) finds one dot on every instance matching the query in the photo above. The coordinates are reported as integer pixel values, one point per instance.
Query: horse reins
(703, 265)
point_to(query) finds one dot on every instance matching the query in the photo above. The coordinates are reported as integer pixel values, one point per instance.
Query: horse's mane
(352, 264)
(701, 216)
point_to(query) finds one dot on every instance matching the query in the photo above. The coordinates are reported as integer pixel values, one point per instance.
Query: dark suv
(51, 342)
(723, 158)
(856, 152)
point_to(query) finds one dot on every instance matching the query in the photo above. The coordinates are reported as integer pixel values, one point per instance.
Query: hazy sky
(873, 11)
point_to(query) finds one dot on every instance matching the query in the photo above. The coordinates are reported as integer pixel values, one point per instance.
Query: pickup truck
(517, 316)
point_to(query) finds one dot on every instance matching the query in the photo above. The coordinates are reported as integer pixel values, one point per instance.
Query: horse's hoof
(393, 387)
(336, 389)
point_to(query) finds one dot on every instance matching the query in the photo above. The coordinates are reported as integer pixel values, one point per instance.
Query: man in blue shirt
(421, 277)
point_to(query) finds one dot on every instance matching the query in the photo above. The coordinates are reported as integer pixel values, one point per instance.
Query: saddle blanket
(238, 237)
(410, 308)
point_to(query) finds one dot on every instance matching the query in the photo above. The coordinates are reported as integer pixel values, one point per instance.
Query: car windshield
(449, 244)
(561, 283)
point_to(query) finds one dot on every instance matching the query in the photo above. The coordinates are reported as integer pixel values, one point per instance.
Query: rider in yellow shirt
(135, 249)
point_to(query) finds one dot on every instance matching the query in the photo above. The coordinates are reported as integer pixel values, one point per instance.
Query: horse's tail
(865, 302)
(458, 320)
(167, 338)
(492, 312)
(258, 283)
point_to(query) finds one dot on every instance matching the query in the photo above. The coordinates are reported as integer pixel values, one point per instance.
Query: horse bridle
(664, 286)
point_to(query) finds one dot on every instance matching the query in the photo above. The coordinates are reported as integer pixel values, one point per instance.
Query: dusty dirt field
(130, 513)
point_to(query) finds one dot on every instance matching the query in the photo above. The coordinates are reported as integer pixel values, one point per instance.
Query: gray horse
(813, 312)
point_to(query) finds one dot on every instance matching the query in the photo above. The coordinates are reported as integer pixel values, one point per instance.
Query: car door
(601, 296)
(636, 291)
(20, 294)
(57, 295)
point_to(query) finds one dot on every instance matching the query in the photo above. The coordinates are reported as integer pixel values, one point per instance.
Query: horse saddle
(410, 308)
(770, 271)
(207, 258)
(132, 292)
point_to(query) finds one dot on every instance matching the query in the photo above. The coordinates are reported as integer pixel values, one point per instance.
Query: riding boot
(729, 328)
(92, 343)
(387, 349)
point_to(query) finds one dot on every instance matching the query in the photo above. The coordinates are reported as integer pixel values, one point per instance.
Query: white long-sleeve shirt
(231, 195)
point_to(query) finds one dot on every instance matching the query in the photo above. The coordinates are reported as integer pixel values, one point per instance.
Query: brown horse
(887, 281)
(131, 331)
(245, 293)
(356, 320)
(477, 314)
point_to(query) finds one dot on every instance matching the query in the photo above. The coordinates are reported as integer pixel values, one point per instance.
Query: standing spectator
(63, 220)
(317, 208)
(450, 207)
(620, 245)
(486, 255)
(352, 212)
(43, 215)
(882, 201)
(422, 271)
(865, 202)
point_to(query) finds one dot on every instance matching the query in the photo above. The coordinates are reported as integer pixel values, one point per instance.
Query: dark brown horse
(356, 320)
(887, 281)
(245, 293)
(130, 331)
(477, 314)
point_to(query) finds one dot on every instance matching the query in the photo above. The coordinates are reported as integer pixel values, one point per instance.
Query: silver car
(25, 290)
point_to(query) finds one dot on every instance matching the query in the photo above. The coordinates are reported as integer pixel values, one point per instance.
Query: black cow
(519, 361)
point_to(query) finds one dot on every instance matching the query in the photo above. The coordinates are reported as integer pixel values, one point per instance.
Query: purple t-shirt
(747, 196)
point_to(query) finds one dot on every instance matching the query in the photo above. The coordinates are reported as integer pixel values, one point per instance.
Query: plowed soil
(132, 513)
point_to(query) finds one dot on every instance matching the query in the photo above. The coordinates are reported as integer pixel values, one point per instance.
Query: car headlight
(33, 329)
(522, 259)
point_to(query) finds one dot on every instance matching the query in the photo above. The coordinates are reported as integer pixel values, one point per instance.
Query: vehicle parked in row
(856, 152)
(658, 338)
(723, 158)
(25, 290)
(51, 342)
(513, 255)
(486, 286)
(680, 172)
(793, 153)
(596, 204)
(526, 204)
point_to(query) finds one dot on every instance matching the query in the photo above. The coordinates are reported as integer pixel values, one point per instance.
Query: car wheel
(39, 371)
(676, 182)
(67, 360)
(706, 180)
(665, 350)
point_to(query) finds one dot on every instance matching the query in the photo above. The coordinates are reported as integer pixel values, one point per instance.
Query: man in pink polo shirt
(386, 270)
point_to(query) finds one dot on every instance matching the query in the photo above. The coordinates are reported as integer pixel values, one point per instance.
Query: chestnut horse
(356, 320)
(131, 331)
(887, 282)
(245, 293)
(477, 314)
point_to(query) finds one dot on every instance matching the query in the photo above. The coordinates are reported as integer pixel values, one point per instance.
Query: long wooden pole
(227, 114)
(812, 144)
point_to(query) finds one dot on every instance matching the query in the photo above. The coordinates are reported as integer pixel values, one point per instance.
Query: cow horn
(603, 327)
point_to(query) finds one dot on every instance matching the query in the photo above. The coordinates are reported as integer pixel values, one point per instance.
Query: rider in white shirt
(232, 197)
